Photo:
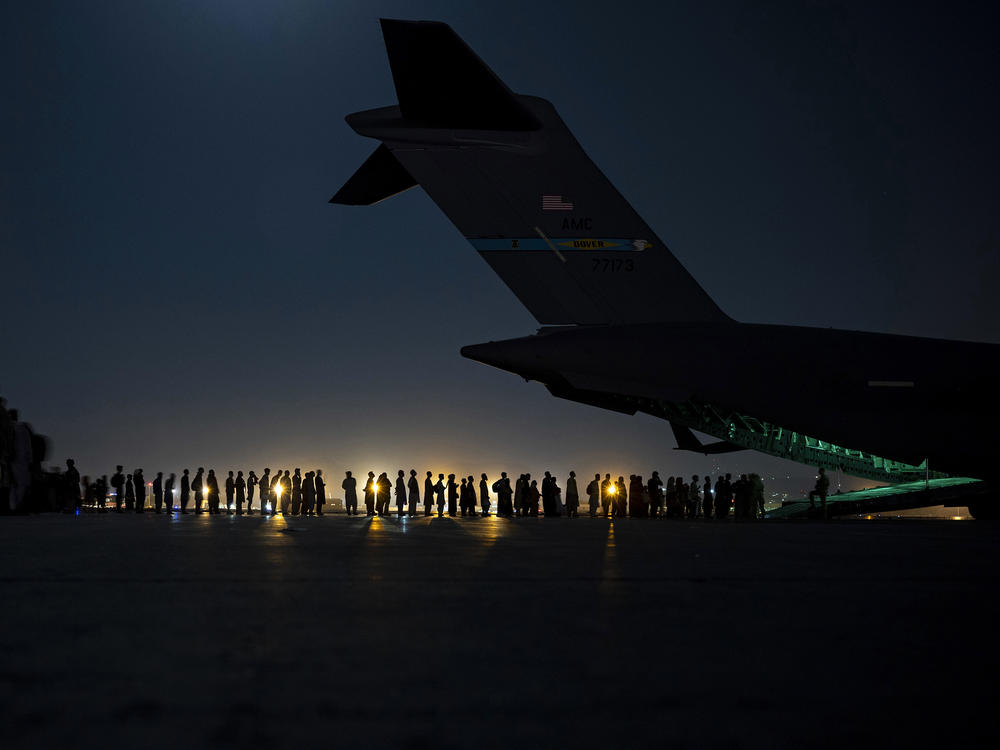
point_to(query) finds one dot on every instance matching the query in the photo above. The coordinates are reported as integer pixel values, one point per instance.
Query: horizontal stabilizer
(686, 441)
(442, 83)
(380, 177)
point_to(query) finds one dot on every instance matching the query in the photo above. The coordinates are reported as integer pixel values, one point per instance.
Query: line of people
(287, 493)
(294, 493)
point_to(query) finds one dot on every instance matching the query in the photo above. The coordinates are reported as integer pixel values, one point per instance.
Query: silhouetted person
(185, 491)
(439, 494)
(505, 496)
(519, 486)
(308, 493)
(548, 495)
(230, 492)
(382, 488)
(721, 498)
(286, 493)
(413, 493)
(621, 497)
(118, 485)
(484, 495)
(139, 482)
(320, 492)
(240, 486)
(635, 509)
(452, 495)
(607, 496)
(158, 491)
(741, 498)
(694, 497)
(757, 496)
(71, 486)
(572, 496)
(400, 493)
(129, 493)
(296, 497)
(820, 490)
(706, 497)
(470, 486)
(251, 490)
(168, 492)
(728, 500)
(428, 494)
(594, 495)
(276, 492)
(350, 487)
(263, 483)
(370, 494)
(212, 483)
(533, 495)
(654, 487)
(102, 493)
(466, 497)
(198, 489)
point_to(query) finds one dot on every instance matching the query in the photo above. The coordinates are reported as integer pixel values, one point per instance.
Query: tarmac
(147, 631)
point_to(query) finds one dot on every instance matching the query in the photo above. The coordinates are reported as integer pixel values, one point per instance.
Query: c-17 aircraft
(615, 304)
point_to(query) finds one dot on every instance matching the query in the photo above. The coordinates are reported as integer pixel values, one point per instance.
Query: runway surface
(144, 631)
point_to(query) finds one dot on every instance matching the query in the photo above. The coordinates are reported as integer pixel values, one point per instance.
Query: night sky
(177, 292)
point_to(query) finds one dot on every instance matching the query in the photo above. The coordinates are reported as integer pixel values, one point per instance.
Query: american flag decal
(555, 203)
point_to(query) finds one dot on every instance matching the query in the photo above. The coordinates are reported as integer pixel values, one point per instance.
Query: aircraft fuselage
(902, 397)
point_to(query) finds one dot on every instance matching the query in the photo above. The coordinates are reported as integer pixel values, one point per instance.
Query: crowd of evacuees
(292, 492)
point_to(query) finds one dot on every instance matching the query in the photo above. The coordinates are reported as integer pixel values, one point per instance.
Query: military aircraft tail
(509, 174)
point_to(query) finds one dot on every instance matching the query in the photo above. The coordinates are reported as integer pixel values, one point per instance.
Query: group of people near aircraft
(287, 492)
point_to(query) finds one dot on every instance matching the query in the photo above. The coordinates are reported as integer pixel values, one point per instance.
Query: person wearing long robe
(213, 491)
(240, 485)
(594, 494)
(439, 494)
(484, 495)
(452, 495)
(400, 492)
(129, 493)
(370, 494)
(308, 493)
(505, 505)
(428, 494)
(350, 487)
(572, 496)
(320, 492)
(470, 488)
(413, 493)
(198, 489)
(185, 491)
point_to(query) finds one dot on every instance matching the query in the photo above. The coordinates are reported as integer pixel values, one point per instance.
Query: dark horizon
(177, 281)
